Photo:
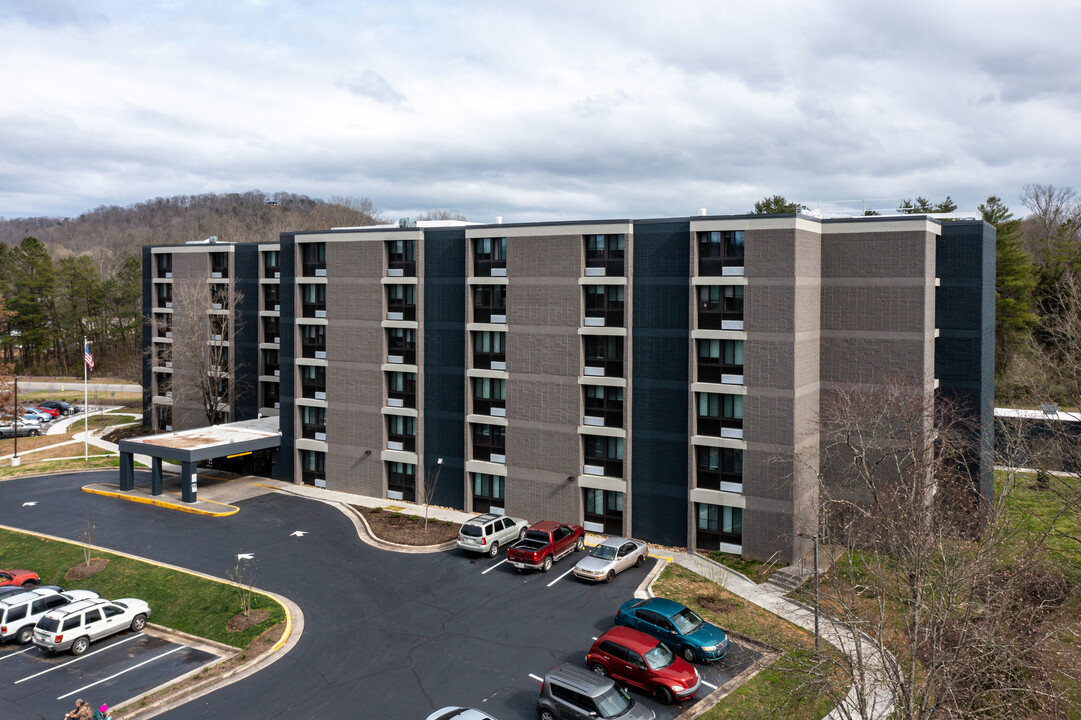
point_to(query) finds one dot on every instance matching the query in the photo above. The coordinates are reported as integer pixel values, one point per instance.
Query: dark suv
(570, 692)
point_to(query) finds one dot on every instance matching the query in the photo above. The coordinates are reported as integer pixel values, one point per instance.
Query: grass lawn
(1034, 510)
(53, 466)
(757, 571)
(772, 692)
(177, 600)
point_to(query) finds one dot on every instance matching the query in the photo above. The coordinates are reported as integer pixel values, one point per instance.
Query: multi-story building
(654, 378)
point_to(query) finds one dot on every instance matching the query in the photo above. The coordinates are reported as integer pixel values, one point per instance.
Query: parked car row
(58, 620)
(651, 649)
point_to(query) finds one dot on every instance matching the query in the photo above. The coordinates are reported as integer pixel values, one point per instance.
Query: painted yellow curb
(161, 503)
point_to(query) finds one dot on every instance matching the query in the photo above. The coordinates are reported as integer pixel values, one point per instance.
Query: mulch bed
(404, 529)
(84, 570)
(240, 621)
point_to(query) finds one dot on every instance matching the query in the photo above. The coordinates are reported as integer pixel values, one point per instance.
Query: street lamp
(814, 539)
(15, 425)
(429, 489)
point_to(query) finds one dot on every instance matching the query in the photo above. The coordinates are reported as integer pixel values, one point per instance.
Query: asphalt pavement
(385, 634)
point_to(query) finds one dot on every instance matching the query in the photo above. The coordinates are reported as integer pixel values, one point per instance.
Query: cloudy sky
(537, 110)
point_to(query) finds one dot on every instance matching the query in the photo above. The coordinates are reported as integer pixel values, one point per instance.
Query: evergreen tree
(923, 206)
(776, 205)
(1015, 281)
(32, 302)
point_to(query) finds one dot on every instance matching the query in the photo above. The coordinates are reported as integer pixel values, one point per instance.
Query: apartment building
(653, 378)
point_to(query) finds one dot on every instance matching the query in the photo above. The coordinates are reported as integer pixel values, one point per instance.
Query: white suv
(19, 612)
(488, 533)
(75, 626)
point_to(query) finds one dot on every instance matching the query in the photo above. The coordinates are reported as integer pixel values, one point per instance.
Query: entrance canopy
(188, 447)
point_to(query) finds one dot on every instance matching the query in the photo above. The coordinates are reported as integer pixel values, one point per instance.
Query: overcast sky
(537, 110)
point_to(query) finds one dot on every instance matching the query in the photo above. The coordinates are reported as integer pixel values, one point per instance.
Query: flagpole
(86, 406)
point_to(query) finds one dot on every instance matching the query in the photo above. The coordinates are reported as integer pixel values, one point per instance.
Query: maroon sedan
(19, 577)
(645, 663)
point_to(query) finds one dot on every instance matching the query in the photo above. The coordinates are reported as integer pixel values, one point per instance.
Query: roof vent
(499, 220)
(701, 212)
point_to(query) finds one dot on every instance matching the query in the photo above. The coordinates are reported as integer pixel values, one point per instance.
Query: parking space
(575, 613)
(38, 683)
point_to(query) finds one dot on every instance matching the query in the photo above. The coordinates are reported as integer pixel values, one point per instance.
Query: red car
(52, 411)
(18, 577)
(643, 662)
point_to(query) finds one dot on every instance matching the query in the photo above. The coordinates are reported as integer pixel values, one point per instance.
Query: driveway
(385, 634)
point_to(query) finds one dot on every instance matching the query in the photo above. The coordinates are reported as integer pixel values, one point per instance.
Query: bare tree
(925, 567)
(1056, 217)
(204, 323)
(430, 483)
(440, 214)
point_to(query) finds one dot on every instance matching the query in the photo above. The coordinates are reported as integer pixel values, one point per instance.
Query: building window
(219, 265)
(270, 362)
(719, 303)
(489, 442)
(490, 350)
(718, 358)
(313, 258)
(165, 418)
(313, 422)
(401, 481)
(719, 465)
(271, 263)
(402, 258)
(490, 304)
(488, 492)
(719, 249)
(164, 264)
(489, 396)
(271, 394)
(401, 345)
(603, 355)
(272, 330)
(313, 381)
(603, 511)
(164, 293)
(603, 455)
(603, 405)
(401, 433)
(313, 341)
(313, 469)
(604, 305)
(489, 256)
(313, 300)
(604, 254)
(402, 389)
(719, 524)
(401, 302)
(272, 298)
(718, 413)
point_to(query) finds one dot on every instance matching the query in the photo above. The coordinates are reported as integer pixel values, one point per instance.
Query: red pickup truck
(544, 543)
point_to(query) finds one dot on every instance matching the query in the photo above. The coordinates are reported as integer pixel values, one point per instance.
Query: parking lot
(38, 683)
(385, 634)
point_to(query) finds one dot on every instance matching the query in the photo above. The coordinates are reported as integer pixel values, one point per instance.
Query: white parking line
(709, 684)
(122, 672)
(485, 572)
(561, 577)
(538, 679)
(69, 662)
(18, 653)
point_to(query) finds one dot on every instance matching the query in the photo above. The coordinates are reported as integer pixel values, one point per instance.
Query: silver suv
(75, 626)
(19, 612)
(571, 692)
(488, 533)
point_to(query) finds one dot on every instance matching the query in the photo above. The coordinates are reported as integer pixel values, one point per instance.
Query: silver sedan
(610, 557)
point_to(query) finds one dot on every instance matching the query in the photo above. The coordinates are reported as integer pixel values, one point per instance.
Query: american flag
(87, 357)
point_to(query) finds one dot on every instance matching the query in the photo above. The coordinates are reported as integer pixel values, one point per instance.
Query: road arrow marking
(245, 556)
(298, 533)
(32, 502)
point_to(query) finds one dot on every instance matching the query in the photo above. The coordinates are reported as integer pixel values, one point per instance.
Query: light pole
(15, 425)
(429, 489)
(814, 539)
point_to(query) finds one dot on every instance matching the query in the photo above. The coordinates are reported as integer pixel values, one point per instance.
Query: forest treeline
(62, 279)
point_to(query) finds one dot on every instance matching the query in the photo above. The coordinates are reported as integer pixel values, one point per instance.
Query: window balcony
(490, 257)
(603, 455)
(603, 406)
(313, 341)
(164, 265)
(603, 356)
(489, 443)
(401, 346)
(490, 350)
(313, 382)
(719, 469)
(401, 302)
(720, 253)
(720, 361)
(401, 433)
(313, 259)
(401, 258)
(604, 255)
(401, 389)
(604, 305)
(490, 304)
(219, 265)
(272, 298)
(490, 397)
(720, 307)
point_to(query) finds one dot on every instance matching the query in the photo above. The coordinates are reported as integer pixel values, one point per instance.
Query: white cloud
(535, 111)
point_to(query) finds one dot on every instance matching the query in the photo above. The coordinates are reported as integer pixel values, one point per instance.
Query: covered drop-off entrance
(189, 447)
